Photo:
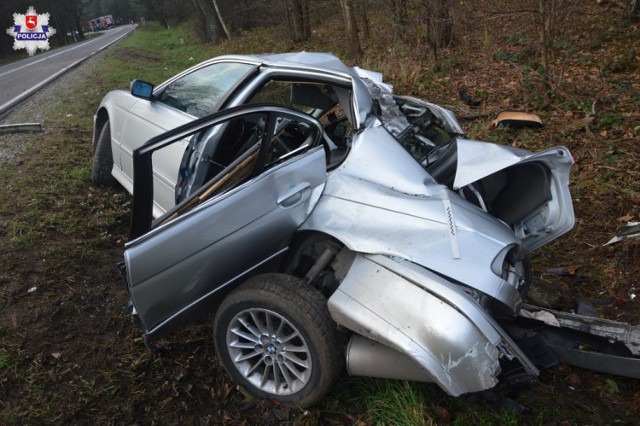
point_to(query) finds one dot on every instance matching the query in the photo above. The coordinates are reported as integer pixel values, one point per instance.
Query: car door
(147, 119)
(192, 94)
(265, 176)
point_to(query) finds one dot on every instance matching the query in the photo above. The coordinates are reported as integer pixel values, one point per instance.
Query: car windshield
(199, 92)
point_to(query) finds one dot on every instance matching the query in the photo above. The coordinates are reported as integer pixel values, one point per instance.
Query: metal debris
(631, 230)
(20, 128)
(517, 119)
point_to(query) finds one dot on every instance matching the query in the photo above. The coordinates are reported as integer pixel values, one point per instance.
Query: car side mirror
(141, 89)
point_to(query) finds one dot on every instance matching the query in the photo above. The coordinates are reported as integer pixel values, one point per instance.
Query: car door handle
(293, 196)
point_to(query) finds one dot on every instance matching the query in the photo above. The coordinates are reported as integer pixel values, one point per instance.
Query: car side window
(327, 103)
(198, 92)
(237, 142)
(242, 137)
(308, 97)
(220, 158)
(291, 137)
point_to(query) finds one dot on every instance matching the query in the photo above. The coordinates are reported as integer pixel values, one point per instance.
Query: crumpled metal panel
(377, 157)
(445, 331)
(479, 159)
(388, 204)
(392, 118)
(628, 334)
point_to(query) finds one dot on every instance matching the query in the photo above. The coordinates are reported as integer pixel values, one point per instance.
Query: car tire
(275, 337)
(103, 159)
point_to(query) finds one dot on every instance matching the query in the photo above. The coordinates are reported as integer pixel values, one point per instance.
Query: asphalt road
(20, 80)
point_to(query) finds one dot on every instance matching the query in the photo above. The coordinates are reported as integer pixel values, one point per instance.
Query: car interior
(329, 104)
(221, 157)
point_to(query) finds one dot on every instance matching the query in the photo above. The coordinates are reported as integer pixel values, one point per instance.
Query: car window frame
(142, 210)
(268, 73)
(246, 77)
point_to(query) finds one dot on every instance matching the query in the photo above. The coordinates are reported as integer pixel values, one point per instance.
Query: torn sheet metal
(480, 159)
(403, 207)
(630, 231)
(417, 229)
(395, 120)
(627, 334)
(389, 113)
(427, 318)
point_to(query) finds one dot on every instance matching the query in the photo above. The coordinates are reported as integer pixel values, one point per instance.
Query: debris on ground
(20, 128)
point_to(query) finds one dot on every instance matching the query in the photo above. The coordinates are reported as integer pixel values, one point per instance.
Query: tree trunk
(163, 21)
(363, 5)
(61, 32)
(543, 28)
(224, 26)
(436, 15)
(201, 20)
(632, 11)
(353, 42)
(399, 17)
(211, 23)
(306, 20)
(297, 20)
(78, 25)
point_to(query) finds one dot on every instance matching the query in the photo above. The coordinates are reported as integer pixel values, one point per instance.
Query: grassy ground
(70, 353)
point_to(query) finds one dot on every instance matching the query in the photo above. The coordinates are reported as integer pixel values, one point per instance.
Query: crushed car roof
(324, 62)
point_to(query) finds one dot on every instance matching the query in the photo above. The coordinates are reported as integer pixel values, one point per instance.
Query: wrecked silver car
(327, 221)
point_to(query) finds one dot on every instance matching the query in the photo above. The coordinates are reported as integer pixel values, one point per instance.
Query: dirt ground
(70, 352)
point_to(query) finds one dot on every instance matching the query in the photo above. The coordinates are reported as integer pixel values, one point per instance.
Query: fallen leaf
(574, 380)
(443, 415)
(625, 218)
(613, 385)
(564, 270)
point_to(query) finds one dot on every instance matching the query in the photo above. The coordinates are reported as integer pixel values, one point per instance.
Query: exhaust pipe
(366, 357)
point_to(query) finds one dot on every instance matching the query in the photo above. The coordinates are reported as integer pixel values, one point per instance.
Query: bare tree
(543, 29)
(362, 7)
(219, 15)
(298, 18)
(438, 24)
(548, 11)
(353, 42)
(400, 17)
(632, 11)
(306, 20)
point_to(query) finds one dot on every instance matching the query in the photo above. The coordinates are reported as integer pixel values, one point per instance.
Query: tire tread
(301, 298)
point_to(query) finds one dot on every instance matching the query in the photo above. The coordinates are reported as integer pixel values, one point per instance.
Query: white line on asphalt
(54, 54)
(4, 107)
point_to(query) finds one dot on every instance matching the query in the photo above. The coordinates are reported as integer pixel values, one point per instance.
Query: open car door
(260, 170)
